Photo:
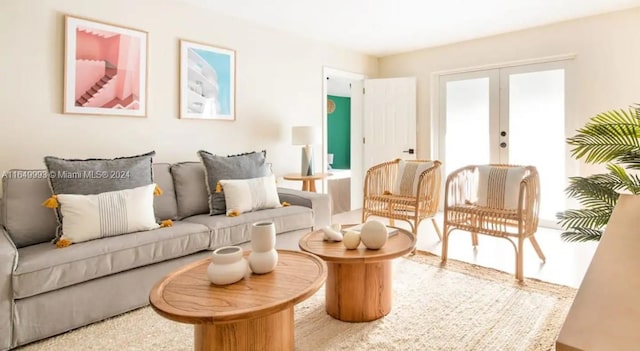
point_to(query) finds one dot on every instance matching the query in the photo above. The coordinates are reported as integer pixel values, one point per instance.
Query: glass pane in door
(467, 123)
(537, 136)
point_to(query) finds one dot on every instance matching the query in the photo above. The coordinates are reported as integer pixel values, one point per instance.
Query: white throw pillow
(244, 195)
(499, 187)
(87, 217)
(408, 177)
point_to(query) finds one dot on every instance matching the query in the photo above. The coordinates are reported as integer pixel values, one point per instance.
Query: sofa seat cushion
(236, 230)
(43, 267)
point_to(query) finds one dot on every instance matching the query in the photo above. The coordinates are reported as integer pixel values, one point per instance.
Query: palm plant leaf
(607, 136)
(631, 182)
(581, 235)
(595, 218)
(595, 191)
(631, 159)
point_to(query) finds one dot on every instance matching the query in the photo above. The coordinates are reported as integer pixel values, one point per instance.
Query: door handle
(410, 151)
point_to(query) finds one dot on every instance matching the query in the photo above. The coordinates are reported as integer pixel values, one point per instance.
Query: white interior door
(389, 120)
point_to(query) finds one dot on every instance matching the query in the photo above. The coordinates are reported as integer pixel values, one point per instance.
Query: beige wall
(604, 75)
(279, 84)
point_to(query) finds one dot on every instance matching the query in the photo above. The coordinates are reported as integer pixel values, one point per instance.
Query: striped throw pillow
(88, 217)
(499, 187)
(409, 176)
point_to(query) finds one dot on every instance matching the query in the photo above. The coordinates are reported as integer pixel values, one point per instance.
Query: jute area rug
(458, 307)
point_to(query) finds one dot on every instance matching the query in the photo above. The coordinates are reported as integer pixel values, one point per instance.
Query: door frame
(336, 72)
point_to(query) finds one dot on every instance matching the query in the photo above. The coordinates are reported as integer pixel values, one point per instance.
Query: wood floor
(566, 262)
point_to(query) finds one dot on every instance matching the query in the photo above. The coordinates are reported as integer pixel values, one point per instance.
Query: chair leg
(390, 214)
(474, 235)
(445, 243)
(414, 230)
(536, 246)
(435, 226)
(519, 261)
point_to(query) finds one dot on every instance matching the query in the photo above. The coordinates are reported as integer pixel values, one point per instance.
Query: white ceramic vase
(227, 265)
(374, 235)
(264, 257)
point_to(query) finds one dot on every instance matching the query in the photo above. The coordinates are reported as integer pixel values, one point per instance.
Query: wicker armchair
(482, 209)
(380, 199)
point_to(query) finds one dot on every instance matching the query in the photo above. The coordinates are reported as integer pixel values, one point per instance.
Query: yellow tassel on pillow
(157, 191)
(285, 204)
(233, 213)
(386, 192)
(166, 223)
(218, 187)
(63, 243)
(51, 202)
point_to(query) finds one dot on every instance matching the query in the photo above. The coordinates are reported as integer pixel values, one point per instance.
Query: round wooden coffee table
(255, 313)
(359, 282)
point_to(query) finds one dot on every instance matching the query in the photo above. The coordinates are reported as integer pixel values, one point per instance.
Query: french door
(513, 115)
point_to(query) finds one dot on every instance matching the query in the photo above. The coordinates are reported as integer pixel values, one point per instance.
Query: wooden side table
(359, 282)
(255, 313)
(308, 182)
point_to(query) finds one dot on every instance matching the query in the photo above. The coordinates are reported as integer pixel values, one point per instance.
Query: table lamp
(306, 136)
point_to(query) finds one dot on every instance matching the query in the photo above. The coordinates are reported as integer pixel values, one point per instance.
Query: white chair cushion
(408, 177)
(499, 187)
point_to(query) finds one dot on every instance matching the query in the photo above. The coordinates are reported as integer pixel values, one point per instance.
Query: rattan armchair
(379, 199)
(462, 208)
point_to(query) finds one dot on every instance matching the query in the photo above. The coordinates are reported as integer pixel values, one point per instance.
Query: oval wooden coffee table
(255, 313)
(359, 282)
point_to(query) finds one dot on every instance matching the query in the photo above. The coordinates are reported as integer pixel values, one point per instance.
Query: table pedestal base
(272, 332)
(309, 185)
(358, 292)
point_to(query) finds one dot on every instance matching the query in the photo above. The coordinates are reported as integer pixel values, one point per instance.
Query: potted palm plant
(613, 139)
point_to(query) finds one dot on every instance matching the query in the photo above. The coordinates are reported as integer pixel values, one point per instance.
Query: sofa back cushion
(24, 217)
(165, 205)
(192, 195)
(96, 175)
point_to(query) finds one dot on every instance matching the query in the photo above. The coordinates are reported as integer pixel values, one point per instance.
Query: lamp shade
(303, 135)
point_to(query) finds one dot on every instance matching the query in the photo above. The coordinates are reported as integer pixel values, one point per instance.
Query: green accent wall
(339, 132)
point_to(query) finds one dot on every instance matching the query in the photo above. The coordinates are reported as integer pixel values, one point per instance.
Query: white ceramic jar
(263, 257)
(227, 265)
(374, 235)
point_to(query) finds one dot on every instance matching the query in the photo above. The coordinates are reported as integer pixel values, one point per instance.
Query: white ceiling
(384, 27)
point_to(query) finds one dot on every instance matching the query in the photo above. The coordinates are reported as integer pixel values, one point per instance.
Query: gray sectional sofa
(46, 290)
